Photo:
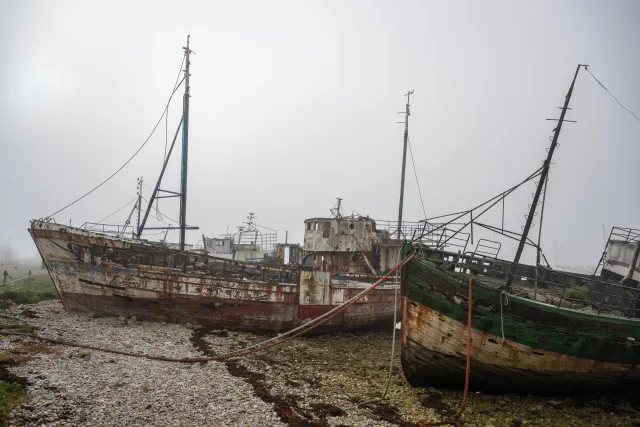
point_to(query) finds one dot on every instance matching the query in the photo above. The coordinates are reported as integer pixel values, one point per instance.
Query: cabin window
(316, 225)
(309, 226)
(326, 228)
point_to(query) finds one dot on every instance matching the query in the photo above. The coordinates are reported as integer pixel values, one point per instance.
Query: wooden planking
(527, 322)
(434, 354)
(90, 277)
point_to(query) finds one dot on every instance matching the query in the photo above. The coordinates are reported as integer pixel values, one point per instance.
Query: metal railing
(407, 228)
(559, 288)
(618, 234)
(110, 229)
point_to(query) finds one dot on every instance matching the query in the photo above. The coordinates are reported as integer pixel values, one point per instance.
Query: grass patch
(41, 288)
(578, 293)
(7, 322)
(11, 395)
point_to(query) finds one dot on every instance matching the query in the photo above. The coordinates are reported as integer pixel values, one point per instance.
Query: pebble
(90, 388)
(316, 381)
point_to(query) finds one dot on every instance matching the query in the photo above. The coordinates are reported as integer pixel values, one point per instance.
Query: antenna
(336, 212)
(406, 113)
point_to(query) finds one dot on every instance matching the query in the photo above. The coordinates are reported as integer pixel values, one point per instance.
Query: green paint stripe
(526, 322)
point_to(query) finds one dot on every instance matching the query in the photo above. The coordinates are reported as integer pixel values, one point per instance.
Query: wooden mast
(542, 181)
(185, 148)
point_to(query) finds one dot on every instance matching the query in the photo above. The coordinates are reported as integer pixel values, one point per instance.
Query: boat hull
(546, 349)
(121, 277)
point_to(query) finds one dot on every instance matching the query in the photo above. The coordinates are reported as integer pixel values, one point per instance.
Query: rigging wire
(127, 162)
(612, 95)
(103, 220)
(166, 124)
(162, 215)
(415, 172)
(166, 116)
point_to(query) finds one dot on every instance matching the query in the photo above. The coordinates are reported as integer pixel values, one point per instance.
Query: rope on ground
(455, 420)
(393, 347)
(294, 333)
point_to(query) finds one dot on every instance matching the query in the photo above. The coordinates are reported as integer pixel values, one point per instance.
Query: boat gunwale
(542, 306)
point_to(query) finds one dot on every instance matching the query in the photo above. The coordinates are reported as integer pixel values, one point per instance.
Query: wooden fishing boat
(114, 275)
(518, 344)
(534, 329)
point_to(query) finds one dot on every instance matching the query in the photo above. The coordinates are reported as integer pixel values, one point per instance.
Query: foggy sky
(294, 104)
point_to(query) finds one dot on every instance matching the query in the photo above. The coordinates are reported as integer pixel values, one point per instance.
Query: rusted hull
(544, 349)
(120, 277)
(206, 311)
(358, 317)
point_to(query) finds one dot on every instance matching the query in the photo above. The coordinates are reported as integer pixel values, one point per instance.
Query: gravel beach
(317, 381)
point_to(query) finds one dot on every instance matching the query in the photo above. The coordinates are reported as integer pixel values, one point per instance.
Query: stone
(556, 404)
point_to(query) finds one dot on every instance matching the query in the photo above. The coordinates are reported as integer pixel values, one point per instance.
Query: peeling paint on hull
(435, 356)
(123, 277)
(547, 349)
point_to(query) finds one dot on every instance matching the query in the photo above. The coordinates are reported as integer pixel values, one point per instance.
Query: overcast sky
(294, 104)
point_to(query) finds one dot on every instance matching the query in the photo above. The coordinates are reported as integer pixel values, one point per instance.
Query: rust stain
(129, 277)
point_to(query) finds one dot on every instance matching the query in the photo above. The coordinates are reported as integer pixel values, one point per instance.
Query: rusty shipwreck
(120, 276)
(117, 272)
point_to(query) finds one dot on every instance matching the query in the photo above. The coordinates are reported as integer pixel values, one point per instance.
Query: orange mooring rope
(455, 420)
(246, 351)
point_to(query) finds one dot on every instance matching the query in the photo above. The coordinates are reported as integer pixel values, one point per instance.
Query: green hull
(546, 349)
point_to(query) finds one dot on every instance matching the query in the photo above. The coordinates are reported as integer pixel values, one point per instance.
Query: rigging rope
(294, 333)
(415, 172)
(393, 346)
(127, 162)
(103, 220)
(612, 95)
(166, 116)
(161, 214)
(506, 302)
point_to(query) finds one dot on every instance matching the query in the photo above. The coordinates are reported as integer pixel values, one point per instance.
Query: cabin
(349, 245)
(621, 258)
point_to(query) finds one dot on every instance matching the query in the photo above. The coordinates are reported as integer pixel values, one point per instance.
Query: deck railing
(559, 288)
(111, 229)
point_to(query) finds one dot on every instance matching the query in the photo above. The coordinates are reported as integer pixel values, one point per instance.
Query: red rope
(224, 356)
(455, 420)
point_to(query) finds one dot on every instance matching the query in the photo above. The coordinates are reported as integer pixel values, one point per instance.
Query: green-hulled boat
(547, 348)
(534, 329)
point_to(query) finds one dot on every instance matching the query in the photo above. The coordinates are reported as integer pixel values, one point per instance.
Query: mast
(407, 113)
(139, 205)
(185, 148)
(542, 181)
(539, 250)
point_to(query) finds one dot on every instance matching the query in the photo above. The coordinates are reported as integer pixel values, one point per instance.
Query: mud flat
(319, 381)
